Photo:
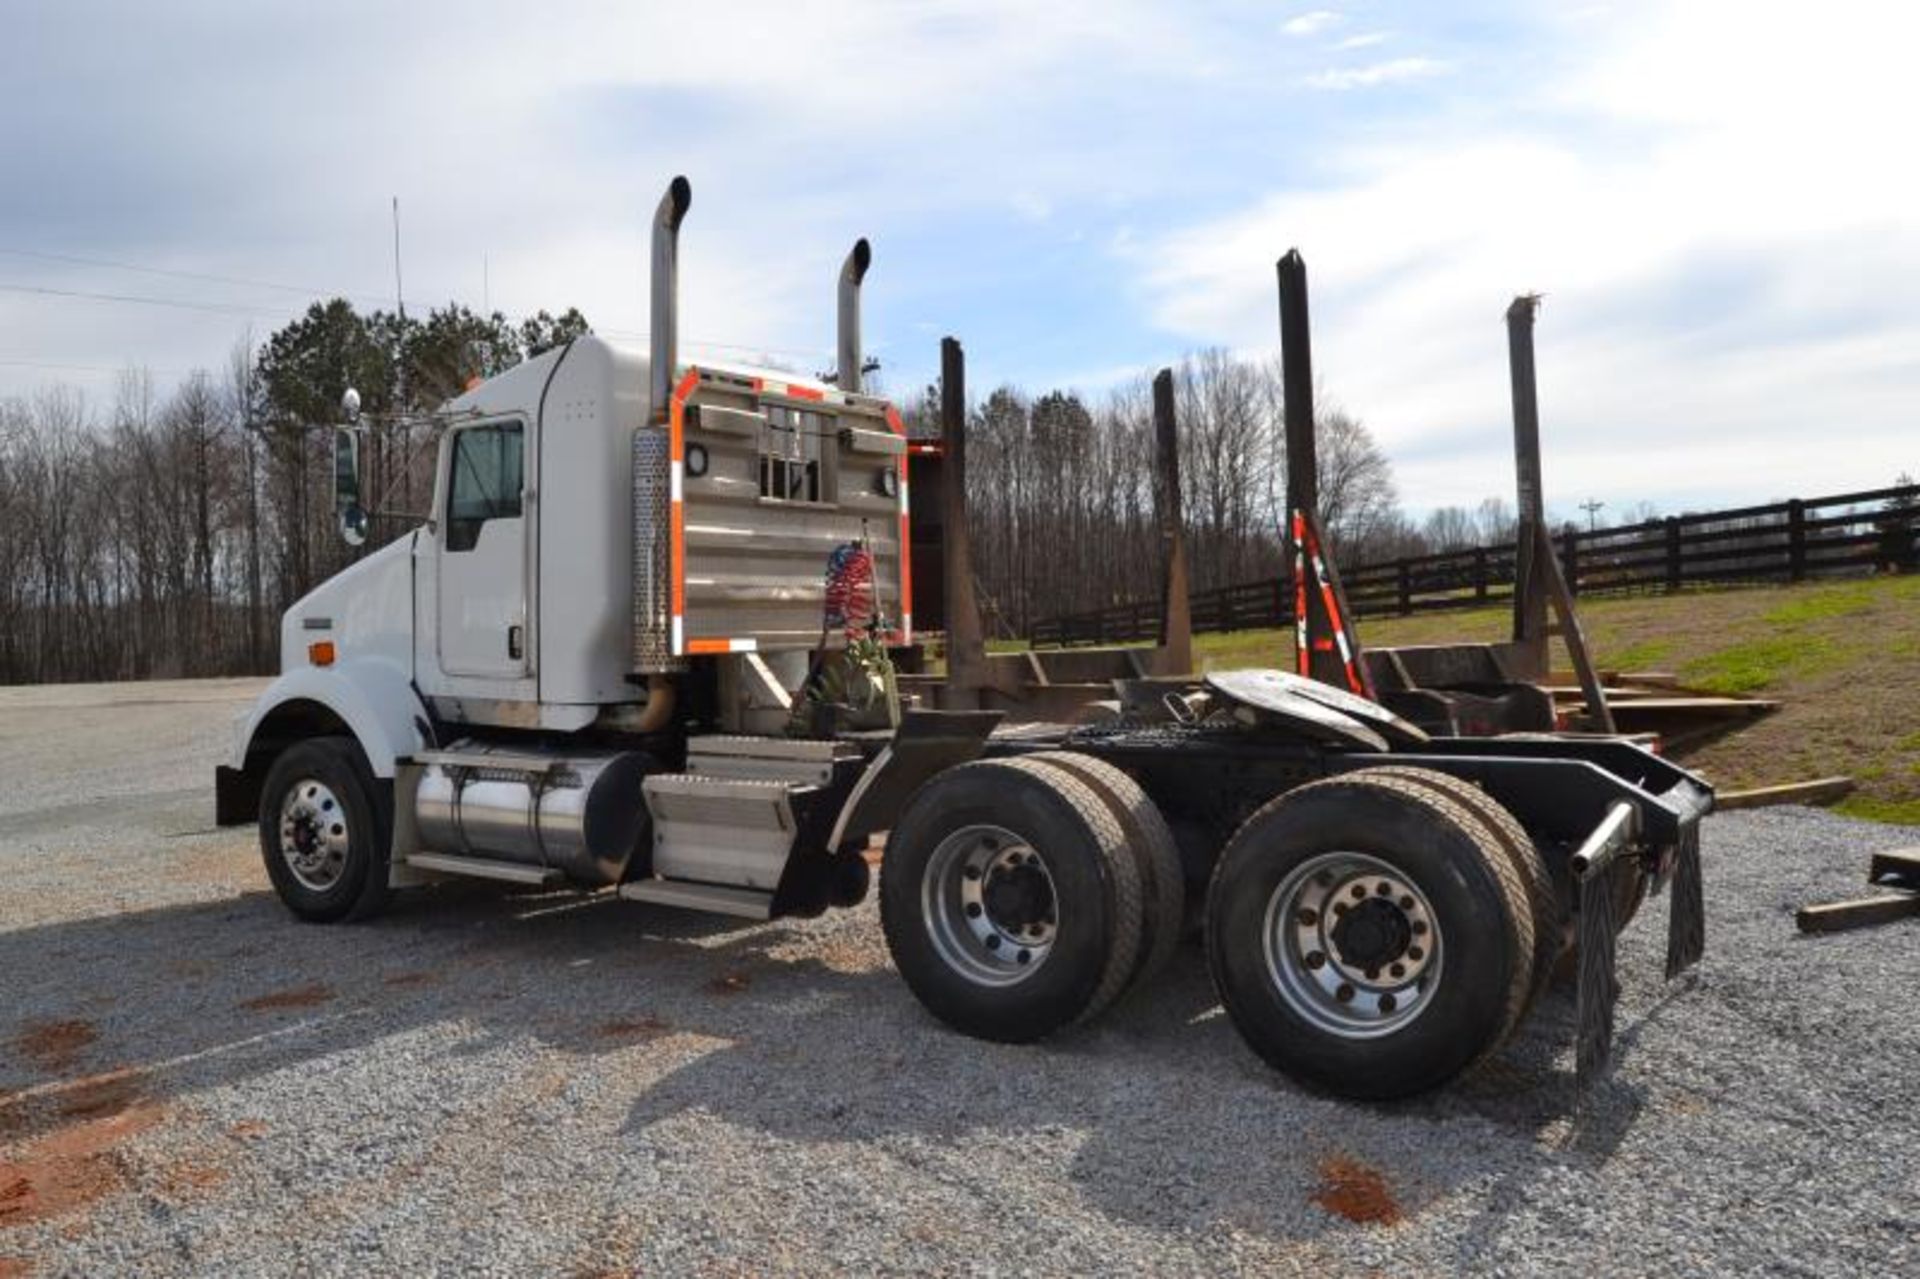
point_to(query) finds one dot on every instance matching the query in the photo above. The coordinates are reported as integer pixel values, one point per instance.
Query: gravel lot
(488, 1082)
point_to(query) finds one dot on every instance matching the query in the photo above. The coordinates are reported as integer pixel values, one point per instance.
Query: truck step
(481, 868)
(722, 830)
(771, 759)
(712, 898)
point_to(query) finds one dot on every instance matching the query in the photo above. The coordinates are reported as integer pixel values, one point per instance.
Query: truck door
(482, 590)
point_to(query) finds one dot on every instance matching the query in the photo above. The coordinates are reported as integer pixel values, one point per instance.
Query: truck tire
(1010, 901)
(1552, 912)
(1163, 881)
(325, 831)
(1369, 936)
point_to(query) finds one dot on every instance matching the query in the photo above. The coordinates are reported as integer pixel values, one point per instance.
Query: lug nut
(1387, 1003)
(1309, 917)
(1316, 959)
(1344, 993)
(973, 910)
(1415, 953)
(993, 943)
(1385, 889)
(1359, 890)
(1406, 903)
(1419, 928)
(1398, 970)
(1025, 956)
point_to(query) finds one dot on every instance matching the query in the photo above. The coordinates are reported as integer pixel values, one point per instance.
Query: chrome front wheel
(314, 839)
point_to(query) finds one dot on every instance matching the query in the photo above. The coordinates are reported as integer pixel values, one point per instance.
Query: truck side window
(486, 481)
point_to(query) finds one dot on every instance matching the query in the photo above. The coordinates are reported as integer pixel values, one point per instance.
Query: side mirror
(346, 487)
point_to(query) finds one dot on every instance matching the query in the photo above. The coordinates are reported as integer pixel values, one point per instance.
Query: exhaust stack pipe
(664, 320)
(852, 271)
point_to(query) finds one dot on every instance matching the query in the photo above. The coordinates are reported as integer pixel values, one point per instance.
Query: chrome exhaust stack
(852, 271)
(664, 321)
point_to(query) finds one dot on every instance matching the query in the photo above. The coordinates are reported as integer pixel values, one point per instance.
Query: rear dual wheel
(1369, 935)
(1021, 896)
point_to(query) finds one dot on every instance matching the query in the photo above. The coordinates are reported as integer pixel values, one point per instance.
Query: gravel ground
(488, 1082)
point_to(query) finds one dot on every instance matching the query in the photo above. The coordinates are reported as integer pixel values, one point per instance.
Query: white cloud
(1726, 266)
(1393, 71)
(1365, 40)
(1311, 22)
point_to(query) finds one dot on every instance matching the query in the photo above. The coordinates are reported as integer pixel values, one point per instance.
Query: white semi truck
(637, 647)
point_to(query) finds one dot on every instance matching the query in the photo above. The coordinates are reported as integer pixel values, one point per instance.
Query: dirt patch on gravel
(632, 1028)
(53, 1045)
(15, 1268)
(407, 981)
(1351, 1189)
(306, 996)
(729, 984)
(98, 1096)
(71, 1168)
(189, 1180)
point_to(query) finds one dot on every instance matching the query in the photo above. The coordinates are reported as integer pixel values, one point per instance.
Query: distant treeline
(154, 536)
(147, 536)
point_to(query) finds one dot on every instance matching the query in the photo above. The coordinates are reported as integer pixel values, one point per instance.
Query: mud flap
(1599, 984)
(1686, 906)
(926, 743)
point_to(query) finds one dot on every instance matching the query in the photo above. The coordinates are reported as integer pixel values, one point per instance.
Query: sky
(1719, 202)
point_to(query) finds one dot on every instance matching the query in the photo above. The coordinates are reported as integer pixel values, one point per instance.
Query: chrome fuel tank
(580, 813)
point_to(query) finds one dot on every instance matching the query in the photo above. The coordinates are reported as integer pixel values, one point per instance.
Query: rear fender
(927, 742)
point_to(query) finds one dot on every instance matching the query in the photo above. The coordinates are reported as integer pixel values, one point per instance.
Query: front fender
(373, 697)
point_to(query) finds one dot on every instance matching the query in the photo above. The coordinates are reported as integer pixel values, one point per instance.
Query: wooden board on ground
(1836, 917)
(1823, 790)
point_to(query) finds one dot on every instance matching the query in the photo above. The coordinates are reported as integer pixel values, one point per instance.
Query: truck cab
(601, 657)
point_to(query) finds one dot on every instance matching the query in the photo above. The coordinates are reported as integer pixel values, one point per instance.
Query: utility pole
(1592, 507)
(399, 405)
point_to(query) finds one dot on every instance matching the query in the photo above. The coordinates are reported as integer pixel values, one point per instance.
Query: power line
(216, 307)
(314, 293)
(91, 368)
(240, 280)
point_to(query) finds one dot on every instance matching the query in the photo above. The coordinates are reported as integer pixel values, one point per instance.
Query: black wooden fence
(1780, 542)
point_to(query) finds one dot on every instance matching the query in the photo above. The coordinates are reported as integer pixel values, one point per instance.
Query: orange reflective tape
(677, 545)
(805, 392)
(703, 646)
(906, 566)
(676, 515)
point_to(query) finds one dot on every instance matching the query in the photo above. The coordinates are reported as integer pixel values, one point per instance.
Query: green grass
(1895, 812)
(1643, 656)
(1760, 663)
(1819, 603)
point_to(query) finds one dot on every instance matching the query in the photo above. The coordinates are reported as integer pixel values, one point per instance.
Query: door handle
(514, 642)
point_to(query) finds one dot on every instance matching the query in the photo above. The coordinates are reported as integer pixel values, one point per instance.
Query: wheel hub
(1372, 934)
(1352, 944)
(313, 834)
(1018, 896)
(990, 905)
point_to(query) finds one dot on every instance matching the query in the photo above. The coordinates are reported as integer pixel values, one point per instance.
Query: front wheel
(1369, 937)
(324, 831)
